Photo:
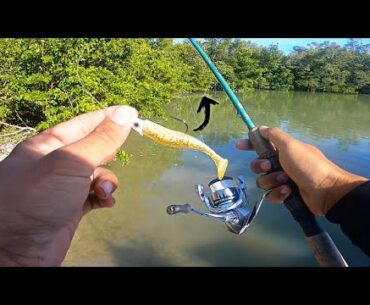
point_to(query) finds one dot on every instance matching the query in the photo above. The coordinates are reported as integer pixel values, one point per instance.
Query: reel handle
(319, 241)
(178, 208)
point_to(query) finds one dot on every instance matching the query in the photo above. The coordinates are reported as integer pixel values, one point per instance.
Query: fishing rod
(319, 241)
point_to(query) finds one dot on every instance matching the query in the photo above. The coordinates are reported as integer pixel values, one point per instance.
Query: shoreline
(6, 149)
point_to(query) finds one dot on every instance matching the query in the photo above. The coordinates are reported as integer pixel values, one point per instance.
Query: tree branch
(19, 117)
(13, 133)
(81, 82)
(17, 127)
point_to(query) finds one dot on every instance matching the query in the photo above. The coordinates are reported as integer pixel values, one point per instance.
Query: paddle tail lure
(176, 139)
(320, 243)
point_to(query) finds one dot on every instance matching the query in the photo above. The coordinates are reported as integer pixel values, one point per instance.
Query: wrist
(7, 259)
(24, 259)
(16, 252)
(342, 183)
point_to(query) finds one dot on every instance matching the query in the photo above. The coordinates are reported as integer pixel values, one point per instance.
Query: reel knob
(178, 208)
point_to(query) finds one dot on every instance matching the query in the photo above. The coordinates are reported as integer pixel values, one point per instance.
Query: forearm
(352, 213)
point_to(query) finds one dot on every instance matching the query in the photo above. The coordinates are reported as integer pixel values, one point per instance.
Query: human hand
(51, 180)
(321, 183)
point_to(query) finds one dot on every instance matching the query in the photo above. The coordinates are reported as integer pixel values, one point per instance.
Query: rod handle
(294, 203)
(322, 246)
(325, 251)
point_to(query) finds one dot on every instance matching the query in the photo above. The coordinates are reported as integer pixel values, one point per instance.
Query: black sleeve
(352, 213)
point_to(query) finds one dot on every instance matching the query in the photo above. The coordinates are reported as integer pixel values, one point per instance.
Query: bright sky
(287, 44)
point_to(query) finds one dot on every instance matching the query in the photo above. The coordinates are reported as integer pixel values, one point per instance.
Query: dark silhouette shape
(205, 103)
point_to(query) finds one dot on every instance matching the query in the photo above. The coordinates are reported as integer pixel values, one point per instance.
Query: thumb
(100, 145)
(275, 135)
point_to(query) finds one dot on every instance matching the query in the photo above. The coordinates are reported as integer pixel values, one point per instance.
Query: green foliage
(122, 156)
(328, 67)
(45, 81)
(320, 67)
(246, 66)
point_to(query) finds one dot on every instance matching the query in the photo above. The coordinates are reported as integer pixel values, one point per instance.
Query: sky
(287, 44)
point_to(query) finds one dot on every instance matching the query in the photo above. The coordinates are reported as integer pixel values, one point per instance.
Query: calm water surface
(138, 232)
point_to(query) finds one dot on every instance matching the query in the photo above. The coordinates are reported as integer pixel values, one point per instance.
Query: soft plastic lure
(176, 139)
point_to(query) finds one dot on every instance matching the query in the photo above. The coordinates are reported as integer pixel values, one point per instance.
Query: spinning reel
(227, 203)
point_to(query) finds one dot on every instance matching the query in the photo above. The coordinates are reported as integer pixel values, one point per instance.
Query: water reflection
(138, 232)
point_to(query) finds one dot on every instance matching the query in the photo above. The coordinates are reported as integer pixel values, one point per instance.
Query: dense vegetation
(45, 81)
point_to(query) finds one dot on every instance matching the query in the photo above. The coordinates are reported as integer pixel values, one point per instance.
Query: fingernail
(123, 115)
(107, 188)
(266, 165)
(284, 191)
(282, 178)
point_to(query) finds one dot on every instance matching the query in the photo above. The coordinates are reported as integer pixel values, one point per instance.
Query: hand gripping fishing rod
(319, 241)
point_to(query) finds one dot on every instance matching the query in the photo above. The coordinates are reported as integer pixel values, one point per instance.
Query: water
(138, 232)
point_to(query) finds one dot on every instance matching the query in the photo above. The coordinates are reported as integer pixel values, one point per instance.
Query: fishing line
(182, 121)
